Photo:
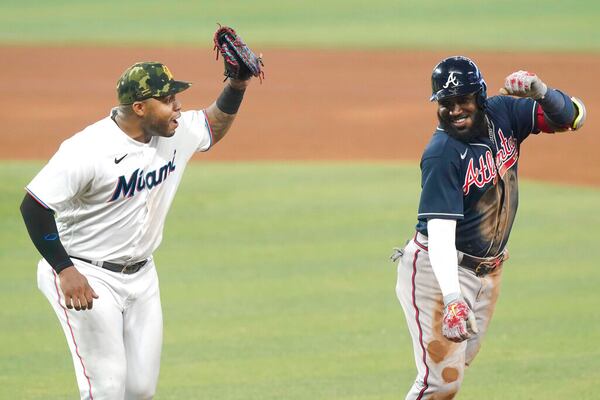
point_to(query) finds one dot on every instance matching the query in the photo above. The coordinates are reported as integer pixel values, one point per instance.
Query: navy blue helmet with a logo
(457, 76)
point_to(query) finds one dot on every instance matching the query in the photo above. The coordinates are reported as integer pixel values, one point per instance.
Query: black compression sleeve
(43, 232)
(230, 99)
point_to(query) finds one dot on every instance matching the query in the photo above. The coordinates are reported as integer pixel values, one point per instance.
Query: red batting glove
(459, 321)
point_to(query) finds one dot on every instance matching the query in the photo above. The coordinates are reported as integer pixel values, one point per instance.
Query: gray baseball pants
(440, 363)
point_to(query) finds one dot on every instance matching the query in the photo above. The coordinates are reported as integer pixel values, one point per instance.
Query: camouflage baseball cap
(144, 80)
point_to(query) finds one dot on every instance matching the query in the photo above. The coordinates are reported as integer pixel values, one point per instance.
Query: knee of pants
(444, 382)
(140, 389)
(107, 387)
(440, 390)
(105, 380)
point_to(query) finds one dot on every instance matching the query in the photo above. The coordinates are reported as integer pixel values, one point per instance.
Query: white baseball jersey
(111, 193)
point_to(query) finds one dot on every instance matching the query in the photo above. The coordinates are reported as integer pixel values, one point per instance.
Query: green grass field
(276, 285)
(275, 277)
(552, 25)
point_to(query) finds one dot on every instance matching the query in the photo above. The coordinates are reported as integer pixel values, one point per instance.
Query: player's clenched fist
(459, 321)
(524, 84)
(78, 292)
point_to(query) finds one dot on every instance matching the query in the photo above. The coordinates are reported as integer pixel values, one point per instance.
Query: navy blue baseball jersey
(475, 183)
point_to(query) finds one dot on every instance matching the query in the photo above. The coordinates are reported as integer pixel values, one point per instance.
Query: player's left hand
(524, 84)
(459, 321)
(240, 61)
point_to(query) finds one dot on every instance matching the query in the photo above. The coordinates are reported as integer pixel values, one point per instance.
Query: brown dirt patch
(313, 105)
(438, 350)
(450, 374)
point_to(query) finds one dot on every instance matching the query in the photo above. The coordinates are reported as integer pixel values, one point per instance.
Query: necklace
(491, 135)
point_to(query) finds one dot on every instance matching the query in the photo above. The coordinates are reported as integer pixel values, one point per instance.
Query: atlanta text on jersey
(486, 171)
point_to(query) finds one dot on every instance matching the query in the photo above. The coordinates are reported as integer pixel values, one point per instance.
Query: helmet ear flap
(482, 95)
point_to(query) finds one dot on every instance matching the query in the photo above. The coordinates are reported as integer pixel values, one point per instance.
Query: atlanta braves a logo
(140, 180)
(451, 80)
(488, 169)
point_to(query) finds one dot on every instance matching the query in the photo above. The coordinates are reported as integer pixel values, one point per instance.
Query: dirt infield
(313, 105)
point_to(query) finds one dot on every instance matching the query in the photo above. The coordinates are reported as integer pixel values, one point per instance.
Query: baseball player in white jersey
(96, 213)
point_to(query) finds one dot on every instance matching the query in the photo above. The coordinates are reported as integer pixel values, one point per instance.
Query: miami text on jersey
(140, 180)
(486, 171)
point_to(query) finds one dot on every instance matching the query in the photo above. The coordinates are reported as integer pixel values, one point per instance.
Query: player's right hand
(78, 292)
(524, 84)
(459, 321)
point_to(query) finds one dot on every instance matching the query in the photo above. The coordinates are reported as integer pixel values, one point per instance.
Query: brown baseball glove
(240, 62)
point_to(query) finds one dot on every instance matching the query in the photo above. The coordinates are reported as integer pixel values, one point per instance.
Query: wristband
(230, 99)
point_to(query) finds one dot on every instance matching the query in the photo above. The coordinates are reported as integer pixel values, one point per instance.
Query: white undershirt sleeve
(442, 254)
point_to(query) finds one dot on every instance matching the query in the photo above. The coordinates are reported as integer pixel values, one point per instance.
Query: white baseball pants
(116, 345)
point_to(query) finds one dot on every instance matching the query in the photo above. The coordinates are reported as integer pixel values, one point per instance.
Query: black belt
(114, 267)
(481, 266)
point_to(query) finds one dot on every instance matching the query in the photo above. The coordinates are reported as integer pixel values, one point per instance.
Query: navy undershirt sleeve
(558, 107)
(43, 232)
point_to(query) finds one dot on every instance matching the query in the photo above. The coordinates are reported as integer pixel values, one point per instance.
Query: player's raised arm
(222, 112)
(558, 112)
(241, 64)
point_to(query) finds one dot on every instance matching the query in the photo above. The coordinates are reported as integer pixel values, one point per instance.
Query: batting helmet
(457, 76)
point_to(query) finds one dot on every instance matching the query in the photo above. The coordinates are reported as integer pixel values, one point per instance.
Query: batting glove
(524, 84)
(459, 320)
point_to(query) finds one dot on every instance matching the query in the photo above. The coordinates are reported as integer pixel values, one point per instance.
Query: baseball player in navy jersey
(449, 273)
(96, 213)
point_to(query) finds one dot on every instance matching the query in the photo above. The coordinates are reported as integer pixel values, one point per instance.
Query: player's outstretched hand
(239, 60)
(459, 321)
(78, 292)
(524, 84)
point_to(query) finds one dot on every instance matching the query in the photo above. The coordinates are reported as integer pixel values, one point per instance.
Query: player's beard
(478, 129)
(158, 127)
